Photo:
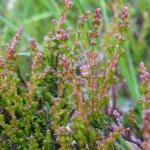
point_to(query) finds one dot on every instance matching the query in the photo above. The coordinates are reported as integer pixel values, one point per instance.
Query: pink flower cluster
(144, 75)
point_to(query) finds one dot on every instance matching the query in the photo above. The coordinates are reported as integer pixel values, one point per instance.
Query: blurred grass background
(36, 15)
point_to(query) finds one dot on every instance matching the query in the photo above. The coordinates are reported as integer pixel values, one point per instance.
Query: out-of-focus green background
(36, 15)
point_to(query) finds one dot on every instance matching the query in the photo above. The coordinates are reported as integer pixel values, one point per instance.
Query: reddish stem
(111, 66)
(93, 90)
(78, 96)
(103, 88)
(93, 87)
(93, 105)
(114, 95)
(62, 20)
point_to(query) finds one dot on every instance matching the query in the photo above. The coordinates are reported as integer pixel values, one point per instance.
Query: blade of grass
(126, 74)
(27, 54)
(37, 18)
(25, 9)
(105, 15)
(81, 6)
(132, 71)
(124, 144)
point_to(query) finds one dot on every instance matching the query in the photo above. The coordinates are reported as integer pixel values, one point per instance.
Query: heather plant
(69, 99)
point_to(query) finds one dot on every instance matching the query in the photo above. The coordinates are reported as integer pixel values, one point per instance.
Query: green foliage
(68, 97)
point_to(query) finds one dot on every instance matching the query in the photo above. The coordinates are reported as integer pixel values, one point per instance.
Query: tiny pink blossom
(125, 12)
(84, 70)
(65, 62)
(39, 56)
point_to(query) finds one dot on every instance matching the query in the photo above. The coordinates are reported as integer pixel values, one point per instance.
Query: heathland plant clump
(69, 100)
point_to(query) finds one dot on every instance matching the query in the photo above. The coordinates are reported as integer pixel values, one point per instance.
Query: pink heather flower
(146, 125)
(39, 56)
(1, 62)
(125, 12)
(65, 62)
(98, 12)
(46, 38)
(144, 75)
(146, 116)
(38, 59)
(13, 43)
(148, 95)
(61, 35)
(141, 67)
(84, 70)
